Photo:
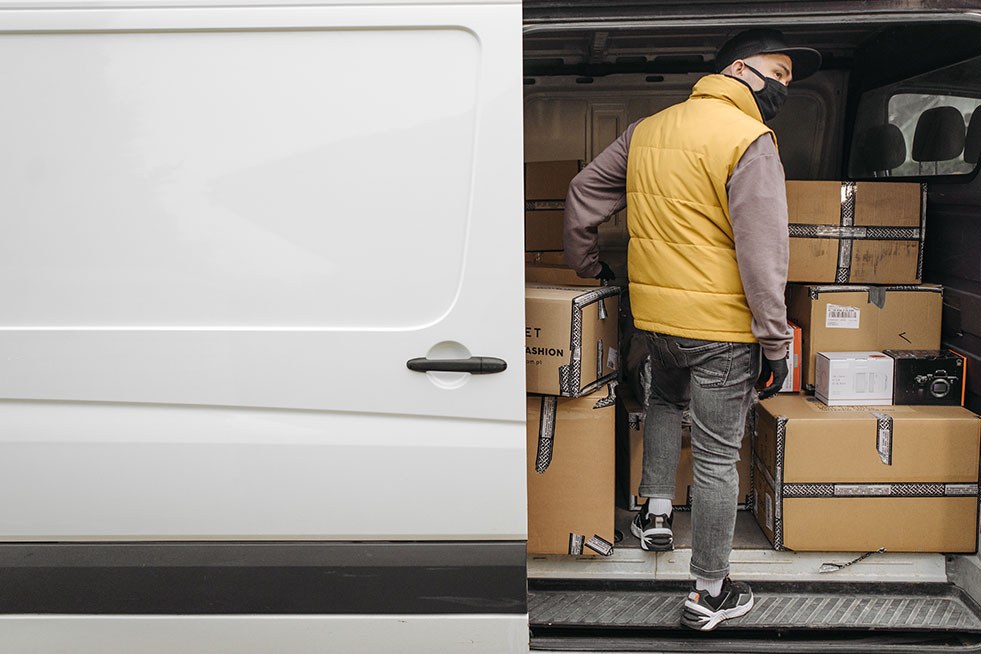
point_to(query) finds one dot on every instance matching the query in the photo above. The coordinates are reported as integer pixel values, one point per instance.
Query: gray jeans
(715, 380)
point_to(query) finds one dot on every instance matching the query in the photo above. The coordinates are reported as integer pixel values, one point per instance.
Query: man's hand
(777, 368)
(606, 273)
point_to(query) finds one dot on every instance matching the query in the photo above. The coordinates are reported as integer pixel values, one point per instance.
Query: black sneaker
(654, 531)
(704, 612)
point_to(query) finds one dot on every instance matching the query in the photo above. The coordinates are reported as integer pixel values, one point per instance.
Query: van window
(926, 126)
(906, 111)
(253, 179)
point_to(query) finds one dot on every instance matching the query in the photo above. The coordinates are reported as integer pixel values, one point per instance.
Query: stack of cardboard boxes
(571, 354)
(847, 469)
(892, 473)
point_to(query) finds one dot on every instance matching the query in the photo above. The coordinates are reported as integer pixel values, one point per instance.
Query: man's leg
(722, 380)
(662, 445)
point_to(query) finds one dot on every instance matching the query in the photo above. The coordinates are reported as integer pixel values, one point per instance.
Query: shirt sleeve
(595, 194)
(758, 208)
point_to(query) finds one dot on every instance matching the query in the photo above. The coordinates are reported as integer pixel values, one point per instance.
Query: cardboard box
(549, 180)
(856, 232)
(556, 275)
(546, 184)
(543, 230)
(545, 258)
(935, 377)
(792, 383)
(570, 338)
(685, 476)
(853, 318)
(571, 474)
(851, 479)
(550, 268)
(854, 378)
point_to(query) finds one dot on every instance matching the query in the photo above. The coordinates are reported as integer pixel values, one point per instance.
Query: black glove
(778, 369)
(606, 273)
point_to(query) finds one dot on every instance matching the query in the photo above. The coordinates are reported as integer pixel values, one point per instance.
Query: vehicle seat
(972, 145)
(939, 135)
(880, 149)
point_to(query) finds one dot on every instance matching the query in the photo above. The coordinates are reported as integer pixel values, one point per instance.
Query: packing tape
(600, 545)
(877, 294)
(844, 272)
(599, 357)
(899, 489)
(611, 396)
(570, 376)
(799, 230)
(919, 254)
(883, 436)
(546, 433)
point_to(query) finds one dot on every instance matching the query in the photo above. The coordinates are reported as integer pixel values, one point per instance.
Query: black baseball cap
(806, 61)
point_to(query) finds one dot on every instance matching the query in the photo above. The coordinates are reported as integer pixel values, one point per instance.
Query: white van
(228, 227)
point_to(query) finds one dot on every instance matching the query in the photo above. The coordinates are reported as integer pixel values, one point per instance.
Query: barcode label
(839, 317)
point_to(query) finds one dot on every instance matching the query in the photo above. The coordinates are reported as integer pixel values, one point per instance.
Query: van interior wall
(576, 117)
(953, 259)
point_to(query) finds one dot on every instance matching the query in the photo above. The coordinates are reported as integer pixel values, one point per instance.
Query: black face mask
(771, 97)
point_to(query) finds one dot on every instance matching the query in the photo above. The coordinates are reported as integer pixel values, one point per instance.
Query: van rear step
(573, 615)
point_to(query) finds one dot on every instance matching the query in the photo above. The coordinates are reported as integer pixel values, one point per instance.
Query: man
(707, 263)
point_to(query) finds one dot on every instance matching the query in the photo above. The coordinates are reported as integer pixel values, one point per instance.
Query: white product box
(850, 378)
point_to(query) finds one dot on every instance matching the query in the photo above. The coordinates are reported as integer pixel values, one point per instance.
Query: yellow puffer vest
(681, 259)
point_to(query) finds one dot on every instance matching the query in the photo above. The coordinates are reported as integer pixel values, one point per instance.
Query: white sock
(713, 586)
(659, 507)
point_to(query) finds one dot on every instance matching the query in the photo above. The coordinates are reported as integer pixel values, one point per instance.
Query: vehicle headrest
(972, 145)
(939, 135)
(882, 147)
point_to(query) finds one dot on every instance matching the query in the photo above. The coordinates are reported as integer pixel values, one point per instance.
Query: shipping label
(841, 317)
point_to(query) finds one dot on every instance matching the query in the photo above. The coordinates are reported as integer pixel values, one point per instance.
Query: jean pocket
(713, 368)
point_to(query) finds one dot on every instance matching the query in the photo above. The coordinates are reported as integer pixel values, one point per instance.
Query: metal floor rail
(927, 616)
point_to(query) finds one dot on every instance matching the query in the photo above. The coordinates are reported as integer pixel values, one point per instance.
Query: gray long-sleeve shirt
(758, 208)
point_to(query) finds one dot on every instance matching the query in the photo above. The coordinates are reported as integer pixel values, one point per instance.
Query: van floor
(753, 558)
(748, 535)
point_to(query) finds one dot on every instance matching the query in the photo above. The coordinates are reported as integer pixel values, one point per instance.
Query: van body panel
(225, 246)
(95, 472)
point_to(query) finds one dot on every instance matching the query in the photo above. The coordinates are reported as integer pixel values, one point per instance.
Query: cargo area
(856, 130)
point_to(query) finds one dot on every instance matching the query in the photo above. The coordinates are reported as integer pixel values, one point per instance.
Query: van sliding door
(225, 233)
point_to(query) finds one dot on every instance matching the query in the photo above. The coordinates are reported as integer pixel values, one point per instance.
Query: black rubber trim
(264, 578)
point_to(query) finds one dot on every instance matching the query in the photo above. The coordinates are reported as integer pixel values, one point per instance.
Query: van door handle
(473, 365)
